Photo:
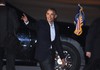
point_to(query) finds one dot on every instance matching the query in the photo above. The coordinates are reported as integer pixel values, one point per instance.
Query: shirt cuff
(27, 22)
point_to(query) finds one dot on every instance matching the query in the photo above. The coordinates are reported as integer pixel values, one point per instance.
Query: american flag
(79, 21)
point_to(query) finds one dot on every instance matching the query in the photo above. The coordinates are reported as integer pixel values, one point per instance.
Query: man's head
(51, 14)
(2, 1)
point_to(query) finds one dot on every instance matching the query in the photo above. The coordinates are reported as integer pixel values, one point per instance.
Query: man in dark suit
(93, 46)
(8, 40)
(48, 39)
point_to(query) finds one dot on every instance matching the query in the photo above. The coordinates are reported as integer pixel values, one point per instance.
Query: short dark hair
(2, 1)
(53, 9)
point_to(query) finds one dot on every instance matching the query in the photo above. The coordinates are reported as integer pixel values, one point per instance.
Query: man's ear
(55, 16)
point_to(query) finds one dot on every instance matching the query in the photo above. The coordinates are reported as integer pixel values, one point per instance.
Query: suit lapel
(55, 29)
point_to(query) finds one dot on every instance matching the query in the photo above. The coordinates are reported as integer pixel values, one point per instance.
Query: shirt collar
(1, 4)
(52, 23)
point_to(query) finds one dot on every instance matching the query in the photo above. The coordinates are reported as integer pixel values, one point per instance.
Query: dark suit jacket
(44, 40)
(93, 39)
(8, 24)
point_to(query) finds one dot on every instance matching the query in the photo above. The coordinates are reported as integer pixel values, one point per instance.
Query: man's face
(50, 15)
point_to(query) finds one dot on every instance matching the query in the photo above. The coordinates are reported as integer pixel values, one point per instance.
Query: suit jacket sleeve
(32, 25)
(90, 37)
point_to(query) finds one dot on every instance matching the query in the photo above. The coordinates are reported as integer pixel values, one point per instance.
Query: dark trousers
(1, 57)
(8, 51)
(48, 64)
(93, 65)
(10, 58)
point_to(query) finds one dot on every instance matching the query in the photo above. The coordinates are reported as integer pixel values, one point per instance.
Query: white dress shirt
(52, 31)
